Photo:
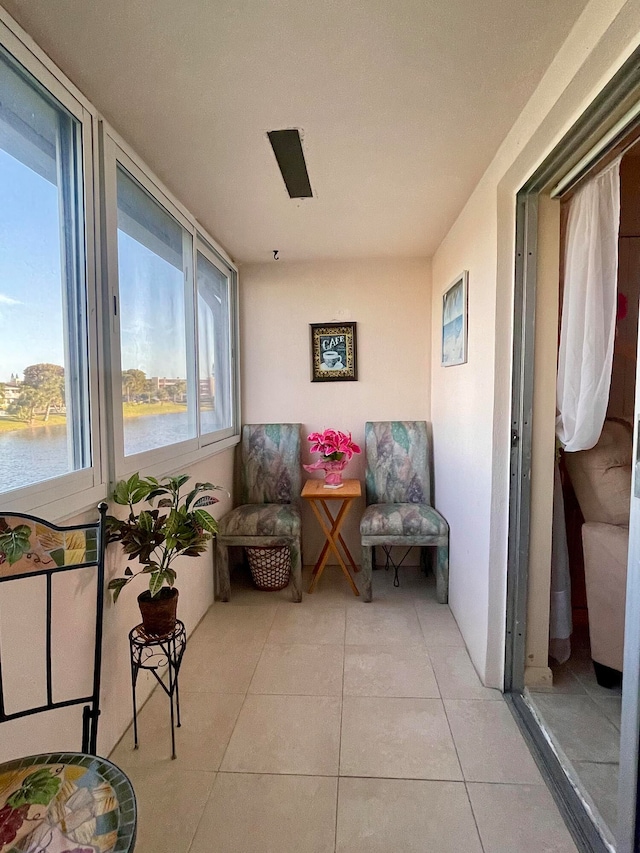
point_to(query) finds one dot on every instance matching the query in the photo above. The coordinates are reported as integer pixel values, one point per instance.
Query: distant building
(160, 383)
(11, 393)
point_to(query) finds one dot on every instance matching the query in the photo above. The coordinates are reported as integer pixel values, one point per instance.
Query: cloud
(7, 300)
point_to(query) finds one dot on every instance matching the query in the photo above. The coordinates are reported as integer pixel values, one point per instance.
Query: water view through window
(173, 315)
(152, 250)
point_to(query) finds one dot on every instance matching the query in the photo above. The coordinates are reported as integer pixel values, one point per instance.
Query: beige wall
(391, 303)
(462, 421)
(471, 403)
(73, 642)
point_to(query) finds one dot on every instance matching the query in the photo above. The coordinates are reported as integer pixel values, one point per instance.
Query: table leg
(330, 534)
(320, 560)
(175, 681)
(171, 689)
(324, 554)
(179, 724)
(346, 551)
(134, 678)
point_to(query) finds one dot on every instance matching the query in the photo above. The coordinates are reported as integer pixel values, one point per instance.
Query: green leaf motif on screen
(15, 543)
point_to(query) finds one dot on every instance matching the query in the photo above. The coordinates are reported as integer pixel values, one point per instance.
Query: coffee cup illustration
(331, 360)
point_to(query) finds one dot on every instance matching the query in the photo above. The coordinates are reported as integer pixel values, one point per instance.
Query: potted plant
(336, 449)
(178, 526)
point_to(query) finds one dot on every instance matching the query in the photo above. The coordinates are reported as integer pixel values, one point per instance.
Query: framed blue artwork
(454, 321)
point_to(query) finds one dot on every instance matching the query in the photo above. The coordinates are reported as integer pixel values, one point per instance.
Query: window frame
(203, 247)
(70, 493)
(172, 457)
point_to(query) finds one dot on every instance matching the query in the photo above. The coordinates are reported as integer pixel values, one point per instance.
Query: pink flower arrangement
(333, 444)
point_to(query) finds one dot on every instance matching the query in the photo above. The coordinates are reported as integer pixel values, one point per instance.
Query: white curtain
(585, 358)
(588, 310)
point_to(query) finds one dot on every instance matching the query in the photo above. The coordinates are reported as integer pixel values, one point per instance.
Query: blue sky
(30, 296)
(152, 322)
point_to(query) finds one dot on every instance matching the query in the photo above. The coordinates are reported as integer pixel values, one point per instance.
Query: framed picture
(333, 352)
(454, 321)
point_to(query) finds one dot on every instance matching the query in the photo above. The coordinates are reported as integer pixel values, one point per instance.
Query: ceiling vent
(287, 146)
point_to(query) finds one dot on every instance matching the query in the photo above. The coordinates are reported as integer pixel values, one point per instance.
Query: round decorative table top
(65, 802)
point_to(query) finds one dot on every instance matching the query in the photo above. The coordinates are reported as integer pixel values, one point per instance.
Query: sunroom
(160, 283)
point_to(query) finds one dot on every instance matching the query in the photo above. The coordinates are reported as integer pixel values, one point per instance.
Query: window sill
(58, 509)
(177, 463)
(61, 509)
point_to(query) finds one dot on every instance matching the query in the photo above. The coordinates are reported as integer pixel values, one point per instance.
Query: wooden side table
(319, 497)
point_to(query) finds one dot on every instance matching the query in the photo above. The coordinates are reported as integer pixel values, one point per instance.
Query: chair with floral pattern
(269, 481)
(51, 661)
(398, 493)
(31, 547)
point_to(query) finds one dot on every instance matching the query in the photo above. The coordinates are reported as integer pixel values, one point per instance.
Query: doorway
(597, 793)
(580, 704)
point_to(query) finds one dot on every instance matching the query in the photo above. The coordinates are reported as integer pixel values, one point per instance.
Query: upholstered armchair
(268, 487)
(601, 479)
(398, 494)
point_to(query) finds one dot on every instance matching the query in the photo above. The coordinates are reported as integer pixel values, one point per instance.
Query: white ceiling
(401, 104)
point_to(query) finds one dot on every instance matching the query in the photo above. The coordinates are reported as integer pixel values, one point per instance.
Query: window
(174, 385)
(115, 353)
(214, 346)
(154, 259)
(45, 426)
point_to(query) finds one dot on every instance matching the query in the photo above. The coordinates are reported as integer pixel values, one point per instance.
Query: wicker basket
(270, 566)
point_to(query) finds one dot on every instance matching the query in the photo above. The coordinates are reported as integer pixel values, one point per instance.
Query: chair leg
(296, 570)
(442, 574)
(222, 582)
(425, 559)
(367, 569)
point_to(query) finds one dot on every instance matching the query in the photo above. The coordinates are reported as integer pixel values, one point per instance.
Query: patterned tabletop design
(65, 802)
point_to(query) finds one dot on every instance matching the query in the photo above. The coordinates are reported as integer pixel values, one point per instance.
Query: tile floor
(584, 721)
(334, 725)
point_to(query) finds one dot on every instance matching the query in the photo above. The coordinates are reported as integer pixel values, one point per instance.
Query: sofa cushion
(261, 520)
(601, 476)
(410, 519)
(605, 570)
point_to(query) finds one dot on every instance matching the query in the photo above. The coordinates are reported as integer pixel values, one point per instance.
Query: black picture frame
(333, 352)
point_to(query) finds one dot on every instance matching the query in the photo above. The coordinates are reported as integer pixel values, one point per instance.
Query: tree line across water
(42, 391)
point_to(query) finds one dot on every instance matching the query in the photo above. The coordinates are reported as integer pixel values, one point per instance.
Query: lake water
(32, 455)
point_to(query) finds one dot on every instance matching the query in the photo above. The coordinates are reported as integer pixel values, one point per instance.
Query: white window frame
(204, 247)
(64, 496)
(170, 458)
(71, 494)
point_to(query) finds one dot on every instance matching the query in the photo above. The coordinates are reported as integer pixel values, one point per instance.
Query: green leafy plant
(177, 527)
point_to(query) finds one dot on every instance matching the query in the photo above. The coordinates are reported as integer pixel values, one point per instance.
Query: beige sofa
(601, 478)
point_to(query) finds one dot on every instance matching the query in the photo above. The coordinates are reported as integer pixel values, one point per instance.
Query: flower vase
(332, 470)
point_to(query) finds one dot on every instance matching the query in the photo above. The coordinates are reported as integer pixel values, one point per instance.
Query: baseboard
(538, 676)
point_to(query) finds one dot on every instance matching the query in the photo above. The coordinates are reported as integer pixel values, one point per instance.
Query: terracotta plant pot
(159, 612)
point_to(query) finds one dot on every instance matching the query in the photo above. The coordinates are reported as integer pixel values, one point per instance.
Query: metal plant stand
(154, 654)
